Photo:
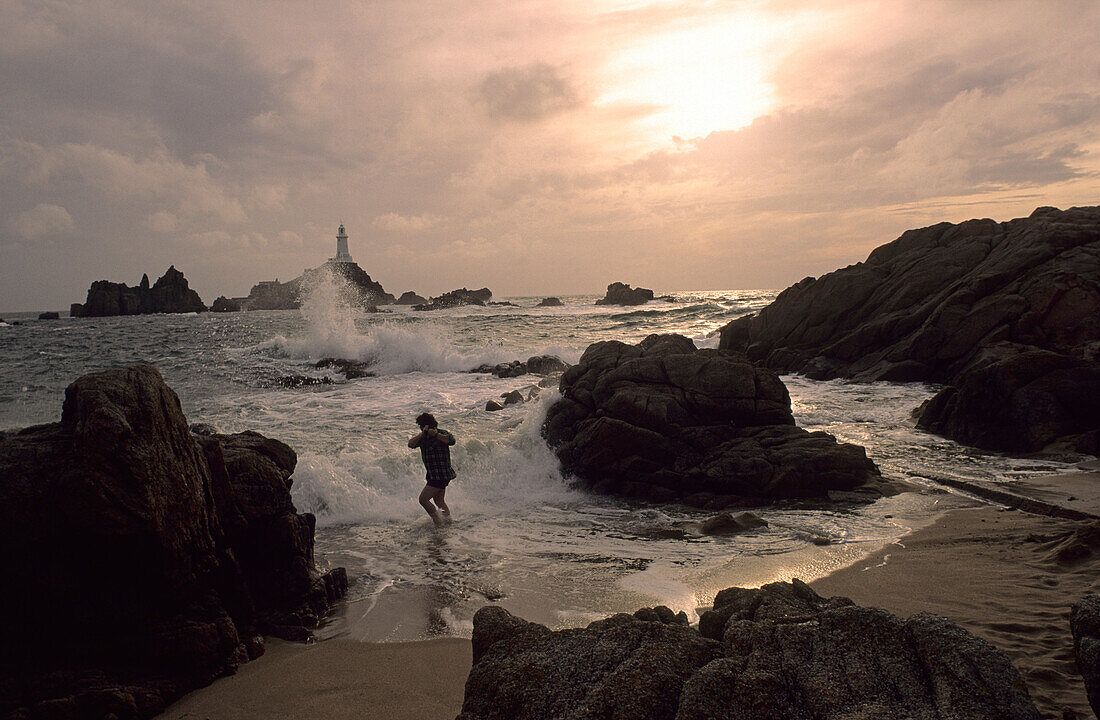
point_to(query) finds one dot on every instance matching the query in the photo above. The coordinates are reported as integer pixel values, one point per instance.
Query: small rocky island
(143, 560)
(169, 294)
(622, 294)
(1005, 314)
(455, 298)
(274, 295)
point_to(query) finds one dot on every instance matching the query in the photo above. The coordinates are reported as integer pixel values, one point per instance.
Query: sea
(523, 537)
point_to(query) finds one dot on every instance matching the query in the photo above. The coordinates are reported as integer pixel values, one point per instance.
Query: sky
(532, 147)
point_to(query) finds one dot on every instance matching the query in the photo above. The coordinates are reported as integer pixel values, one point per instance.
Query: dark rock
(362, 291)
(622, 294)
(662, 420)
(455, 298)
(550, 302)
(546, 364)
(952, 304)
(148, 556)
(170, 294)
(49, 316)
(410, 298)
(503, 303)
(203, 429)
(294, 381)
(778, 652)
(1084, 622)
(513, 398)
(493, 406)
(510, 370)
(726, 524)
(352, 369)
(224, 304)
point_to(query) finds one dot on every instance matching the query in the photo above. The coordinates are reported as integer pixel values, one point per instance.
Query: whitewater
(523, 537)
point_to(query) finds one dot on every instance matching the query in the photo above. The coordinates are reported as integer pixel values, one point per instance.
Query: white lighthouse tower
(342, 254)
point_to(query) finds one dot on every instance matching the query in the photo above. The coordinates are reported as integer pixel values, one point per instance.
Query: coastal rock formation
(224, 304)
(410, 298)
(550, 302)
(780, 652)
(170, 294)
(1084, 621)
(53, 315)
(274, 295)
(1006, 311)
(622, 294)
(454, 298)
(662, 420)
(146, 559)
(536, 364)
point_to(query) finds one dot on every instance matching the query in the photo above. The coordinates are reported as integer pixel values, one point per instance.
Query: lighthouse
(342, 254)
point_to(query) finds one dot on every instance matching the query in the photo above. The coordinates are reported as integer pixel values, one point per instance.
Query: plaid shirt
(436, 454)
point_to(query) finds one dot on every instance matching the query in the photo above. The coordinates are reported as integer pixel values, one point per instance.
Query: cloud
(527, 93)
(394, 222)
(42, 221)
(162, 222)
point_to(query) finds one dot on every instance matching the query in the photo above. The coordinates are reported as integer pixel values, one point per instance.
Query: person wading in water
(435, 451)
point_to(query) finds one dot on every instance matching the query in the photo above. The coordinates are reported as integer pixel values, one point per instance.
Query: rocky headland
(274, 295)
(780, 651)
(622, 294)
(454, 298)
(142, 560)
(665, 421)
(169, 294)
(1007, 315)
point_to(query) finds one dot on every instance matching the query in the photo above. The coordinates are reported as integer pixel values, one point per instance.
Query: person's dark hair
(426, 419)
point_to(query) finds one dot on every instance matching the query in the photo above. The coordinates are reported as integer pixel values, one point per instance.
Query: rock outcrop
(550, 302)
(170, 294)
(274, 295)
(536, 364)
(224, 304)
(622, 294)
(1084, 620)
(663, 421)
(454, 298)
(1008, 312)
(145, 559)
(410, 298)
(52, 315)
(779, 652)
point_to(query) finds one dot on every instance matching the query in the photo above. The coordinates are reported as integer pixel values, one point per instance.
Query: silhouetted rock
(49, 316)
(454, 298)
(622, 294)
(546, 364)
(411, 298)
(954, 304)
(170, 294)
(224, 304)
(550, 302)
(662, 420)
(137, 567)
(363, 291)
(778, 652)
(1084, 620)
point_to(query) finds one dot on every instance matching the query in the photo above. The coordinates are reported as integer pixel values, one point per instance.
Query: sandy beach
(1005, 575)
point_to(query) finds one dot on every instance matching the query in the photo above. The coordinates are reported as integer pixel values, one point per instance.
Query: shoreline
(1000, 573)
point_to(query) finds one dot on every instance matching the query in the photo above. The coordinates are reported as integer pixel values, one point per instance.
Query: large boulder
(931, 305)
(128, 543)
(662, 421)
(622, 294)
(170, 294)
(779, 652)
(1084, 620)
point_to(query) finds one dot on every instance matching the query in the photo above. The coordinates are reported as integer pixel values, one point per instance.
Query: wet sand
(1005, 575)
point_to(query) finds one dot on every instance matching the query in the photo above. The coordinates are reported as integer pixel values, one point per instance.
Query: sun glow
(696, 79)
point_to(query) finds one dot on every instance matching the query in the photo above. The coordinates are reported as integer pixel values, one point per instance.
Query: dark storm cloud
(527, 93)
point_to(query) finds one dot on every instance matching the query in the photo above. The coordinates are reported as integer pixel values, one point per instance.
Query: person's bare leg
(441, 503)
(426, 496)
